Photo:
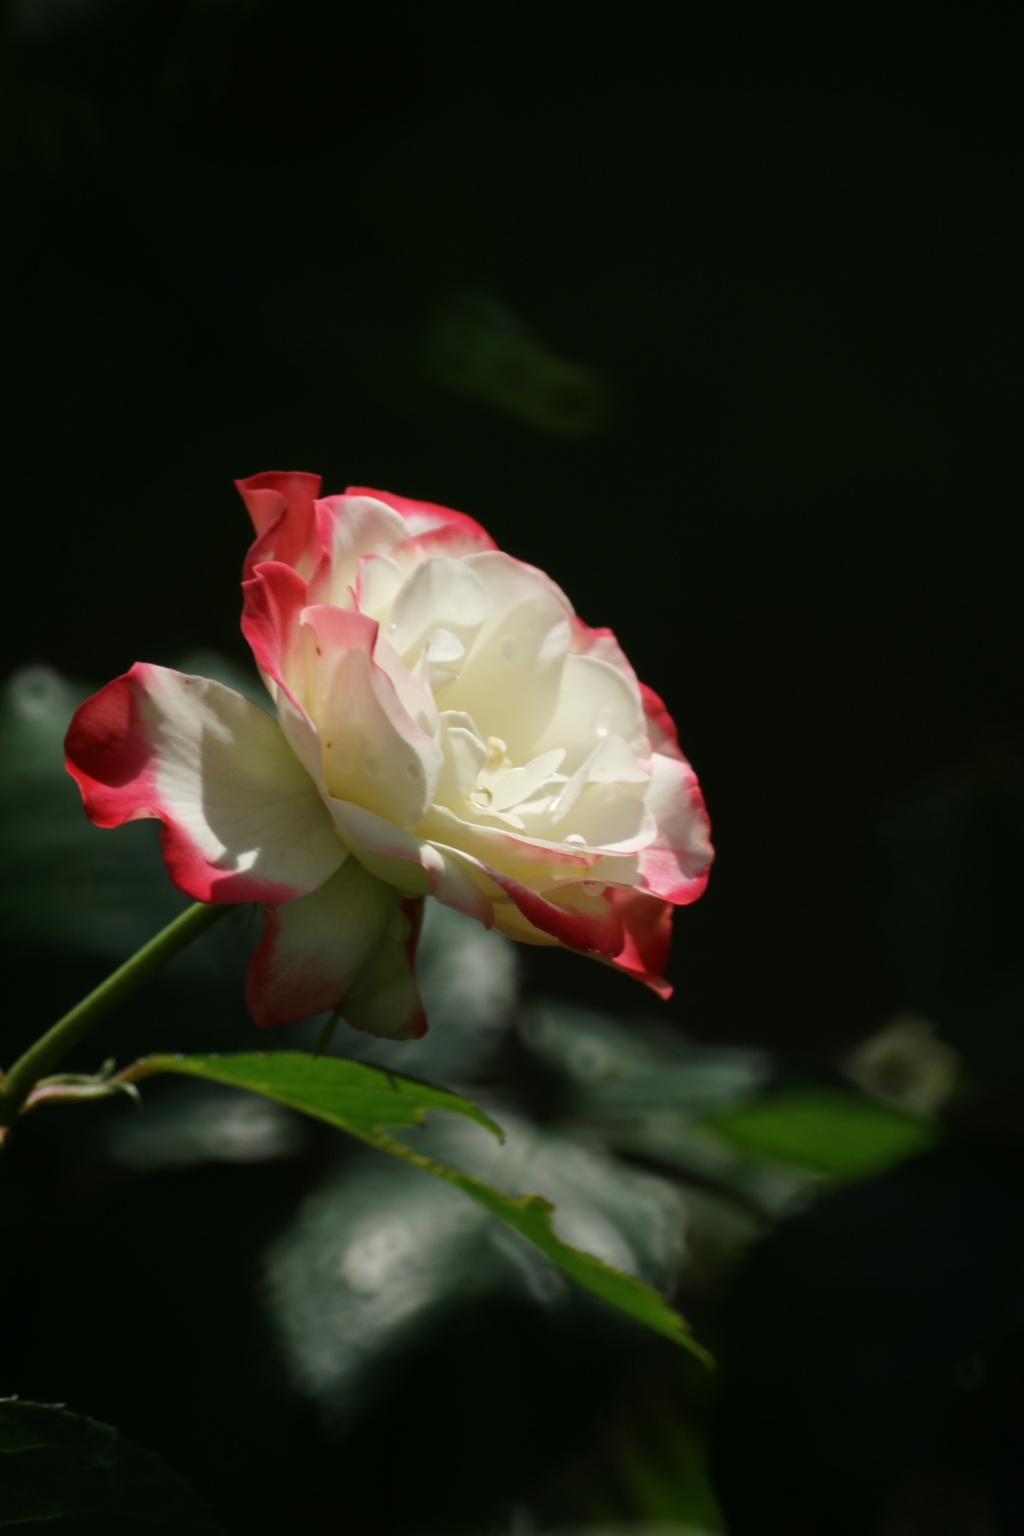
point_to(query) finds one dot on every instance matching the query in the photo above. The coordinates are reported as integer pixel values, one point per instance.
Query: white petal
(440, 592)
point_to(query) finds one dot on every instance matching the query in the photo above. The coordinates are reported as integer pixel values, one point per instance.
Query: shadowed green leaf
(352, 1095)
(73, 1475)
(838, 1134)
(364, 1100)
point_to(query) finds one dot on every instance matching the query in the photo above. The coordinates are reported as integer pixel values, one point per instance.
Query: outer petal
(639, 929)
(677, 863)
(242, 820)
(349, 945)
(580, 920)
(349, 528)
(274, 597)
(661, 728)
(426, 517)
(647, 925)
(282, 510)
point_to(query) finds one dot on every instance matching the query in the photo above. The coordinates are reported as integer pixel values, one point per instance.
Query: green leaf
(839, 1134)
(79, 1477)
(364, 1100)
(353, 1095)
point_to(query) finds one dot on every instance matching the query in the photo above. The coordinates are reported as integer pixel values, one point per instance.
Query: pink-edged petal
(426, 517)
(601, 643)
(242, 820)
(274, 596)
(374, 754)
(452, 539)
(410, 863)
(350, 528)
(661, 728)
(349, 945)
(580, 920)
(640, 930)
(676, 863)
(647, 929)
(274, 599)
(282, 508)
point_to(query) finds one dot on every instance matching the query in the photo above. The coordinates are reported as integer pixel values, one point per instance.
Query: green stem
(49, 1049)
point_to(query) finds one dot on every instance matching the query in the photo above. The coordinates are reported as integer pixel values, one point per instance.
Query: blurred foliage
(666, 1159)
(62, 1470)
(476, 346)
(837, 1134)
(362, 1100)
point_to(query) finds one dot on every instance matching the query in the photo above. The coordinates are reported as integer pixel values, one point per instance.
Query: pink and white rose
(446, 726)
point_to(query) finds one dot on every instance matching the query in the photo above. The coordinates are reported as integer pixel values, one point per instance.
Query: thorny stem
(49, 1049)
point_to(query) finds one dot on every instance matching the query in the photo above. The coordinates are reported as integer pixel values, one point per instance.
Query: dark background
(791, 256)
(785, 262)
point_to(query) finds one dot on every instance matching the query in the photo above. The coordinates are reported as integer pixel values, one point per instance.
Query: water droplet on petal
(414, 770)
(480, 797)
(593, 887)
(602, 722)
(574, 840)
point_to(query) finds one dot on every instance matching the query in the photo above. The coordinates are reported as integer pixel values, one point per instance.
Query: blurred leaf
(644, 1091)
(83, 1478)
(530, 1216)
(378, 1259)
(838, 1134)
(906, 1065)
(646, 1473)
(612, 1067)
(639, 1528)
(476, 346)
(362, 1100)
(203, 1124)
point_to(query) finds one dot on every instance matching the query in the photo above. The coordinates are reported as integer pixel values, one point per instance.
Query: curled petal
(242, 820)
(577, 919)
(349, 945)
(647, 929)
(282, 508)
(637, 928)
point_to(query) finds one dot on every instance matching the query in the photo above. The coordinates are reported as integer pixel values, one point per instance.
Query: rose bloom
(446, 726)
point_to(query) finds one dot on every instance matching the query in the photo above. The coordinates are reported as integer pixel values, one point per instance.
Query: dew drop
(414, 770)
(574, 840)
(371, 767)
(593, 887)
(510, 649)
(602, 722)
(480, 797)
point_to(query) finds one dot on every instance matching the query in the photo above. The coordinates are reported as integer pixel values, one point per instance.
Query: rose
(446, 726)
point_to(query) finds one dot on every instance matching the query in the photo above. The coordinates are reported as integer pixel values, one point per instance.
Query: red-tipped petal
(242, 820)
(349, 945)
